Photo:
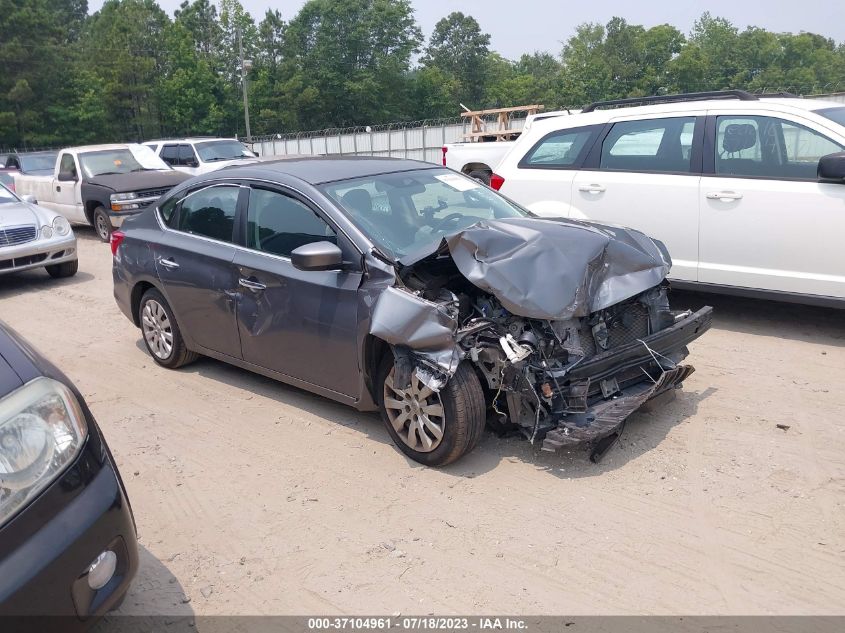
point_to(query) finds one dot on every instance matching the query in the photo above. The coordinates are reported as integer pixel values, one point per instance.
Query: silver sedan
(34, 237)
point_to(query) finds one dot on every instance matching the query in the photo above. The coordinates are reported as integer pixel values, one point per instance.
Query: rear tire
(461, 423)
(481, 176)
(161, 333)
(65, 269)
(102, 224)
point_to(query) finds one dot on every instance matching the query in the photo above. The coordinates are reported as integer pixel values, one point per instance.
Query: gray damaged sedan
(34, 237)
(405, 287)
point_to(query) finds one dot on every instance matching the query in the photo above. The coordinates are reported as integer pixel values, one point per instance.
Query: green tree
(459, 47)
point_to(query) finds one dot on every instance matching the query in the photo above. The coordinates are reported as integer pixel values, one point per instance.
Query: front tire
(65, 269)
(432, 428)
(161, 333)
(102, 224)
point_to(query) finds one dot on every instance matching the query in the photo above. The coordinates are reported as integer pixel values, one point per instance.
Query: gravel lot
(255, 497)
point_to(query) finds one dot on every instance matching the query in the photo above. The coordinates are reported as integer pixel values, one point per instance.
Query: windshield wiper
(109, 173)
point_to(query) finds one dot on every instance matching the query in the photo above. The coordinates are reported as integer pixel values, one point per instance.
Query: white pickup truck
(479, 159)
(101, 185)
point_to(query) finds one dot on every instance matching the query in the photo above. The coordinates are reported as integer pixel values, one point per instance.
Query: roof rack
(779, 95)
(742, 95)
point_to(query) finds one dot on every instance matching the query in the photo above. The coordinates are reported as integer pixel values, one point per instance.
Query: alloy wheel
(157, 329)
(102, 226)
(416, 413)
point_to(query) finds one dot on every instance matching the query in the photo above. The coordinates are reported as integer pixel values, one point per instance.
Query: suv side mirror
(192, 162)
(832, 168)
(67, 176)
(317, 256)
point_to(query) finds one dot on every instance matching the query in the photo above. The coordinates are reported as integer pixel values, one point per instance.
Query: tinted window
(153, 147)
(67, 165)
(170, 154)
(187, 156)
(210, 212)
(766, 147)
(560, 149)
(278, 224)
(166, 210)
(211, 151)
(655, 145)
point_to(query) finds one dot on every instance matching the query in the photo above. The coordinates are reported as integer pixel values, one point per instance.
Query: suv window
(210, 212)
(67, 165)
(170, 154)
(767, 147)
(187, 156)
(561, 149)
(654, 145)
(278, 224)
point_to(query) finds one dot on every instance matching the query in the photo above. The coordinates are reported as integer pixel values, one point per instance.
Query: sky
(542, 25)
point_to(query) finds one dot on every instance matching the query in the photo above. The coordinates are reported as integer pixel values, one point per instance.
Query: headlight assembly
(60, 225)
(118, 197)
(42, 430)
(46, 232)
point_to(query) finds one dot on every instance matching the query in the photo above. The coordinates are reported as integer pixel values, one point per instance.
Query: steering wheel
(449, 218)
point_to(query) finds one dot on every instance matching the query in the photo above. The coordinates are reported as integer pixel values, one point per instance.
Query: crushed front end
(567, 323)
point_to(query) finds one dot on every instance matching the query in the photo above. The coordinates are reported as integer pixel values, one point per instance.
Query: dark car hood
(554, 268)
(140, 180)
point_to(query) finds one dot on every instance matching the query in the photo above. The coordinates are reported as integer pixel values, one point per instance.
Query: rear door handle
(58, 187)
(592, 188)
(726, 196)
(255, 286)
(168, 263)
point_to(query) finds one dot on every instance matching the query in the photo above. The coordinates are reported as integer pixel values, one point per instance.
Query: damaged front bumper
(620, 375)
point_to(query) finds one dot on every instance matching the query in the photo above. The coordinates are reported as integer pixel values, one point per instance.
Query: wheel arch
(476, 167)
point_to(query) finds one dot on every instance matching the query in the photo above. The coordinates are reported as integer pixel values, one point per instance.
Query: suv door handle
(592, 188)
(727, 196)
(255, 286)
(168, 263)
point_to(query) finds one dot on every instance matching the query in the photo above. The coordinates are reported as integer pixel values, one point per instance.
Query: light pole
(246, 64)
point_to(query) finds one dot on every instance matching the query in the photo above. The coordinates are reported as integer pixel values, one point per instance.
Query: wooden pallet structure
(481, 123)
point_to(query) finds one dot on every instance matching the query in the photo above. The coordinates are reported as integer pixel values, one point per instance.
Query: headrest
(739, 136)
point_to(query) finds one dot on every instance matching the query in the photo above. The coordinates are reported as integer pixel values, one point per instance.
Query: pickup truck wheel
(102, 224)
(481, 176)
(432, 428)
(66, 269)
(161, 333)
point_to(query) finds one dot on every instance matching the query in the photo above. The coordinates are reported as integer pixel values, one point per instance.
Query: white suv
(201, 155)
(747, 192)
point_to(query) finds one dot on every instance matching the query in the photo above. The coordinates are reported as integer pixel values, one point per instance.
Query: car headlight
(46, 232)
(42, 430)
(60, 225)
(117, 197)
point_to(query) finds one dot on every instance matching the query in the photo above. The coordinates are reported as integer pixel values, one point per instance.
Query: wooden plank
(474, 113)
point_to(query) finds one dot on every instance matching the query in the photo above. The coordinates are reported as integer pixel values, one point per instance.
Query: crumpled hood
(140, 180)
(557, 268)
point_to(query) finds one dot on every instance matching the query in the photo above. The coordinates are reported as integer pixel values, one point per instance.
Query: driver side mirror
(29, 198)
(192, 163)
(317, 256)
(67, 176)
(832, 168)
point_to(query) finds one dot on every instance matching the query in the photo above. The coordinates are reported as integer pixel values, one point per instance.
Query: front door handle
(725, 196)
(255, 286)
(58, 187)
(168, 263)
(594, 188)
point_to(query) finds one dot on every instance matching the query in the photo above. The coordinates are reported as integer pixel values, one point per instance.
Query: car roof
(316, 170)
(97, 148)
(190, 139)
(599, 116)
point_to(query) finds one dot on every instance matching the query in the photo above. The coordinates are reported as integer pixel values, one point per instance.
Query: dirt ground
(253, 497)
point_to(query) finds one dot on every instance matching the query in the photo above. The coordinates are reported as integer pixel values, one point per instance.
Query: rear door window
(210, 212)
(278, 223)
(654, 145)
(187, 156)
(563, 149)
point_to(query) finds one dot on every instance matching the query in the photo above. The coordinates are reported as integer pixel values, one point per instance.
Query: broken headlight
(42, 429)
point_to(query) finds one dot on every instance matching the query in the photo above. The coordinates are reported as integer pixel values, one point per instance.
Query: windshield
(120, 161)
(38, 162)
(211, 151)
(837, 115)
(6, 195)
(405, 212)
